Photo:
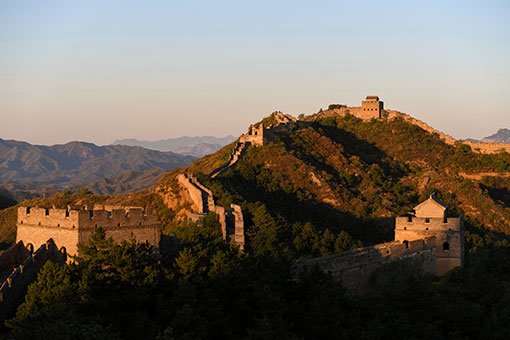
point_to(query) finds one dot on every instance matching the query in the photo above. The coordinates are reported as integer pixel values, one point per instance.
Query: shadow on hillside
(322, 215)
(367, 152)
(501, 195)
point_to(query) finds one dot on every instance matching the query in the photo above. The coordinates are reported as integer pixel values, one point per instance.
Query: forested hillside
(328, 187)
(320, 189)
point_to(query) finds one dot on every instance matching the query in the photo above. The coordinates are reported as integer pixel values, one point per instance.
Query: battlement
(72, 218)
(265, 131)
(22, 272)
(73, 225)
(354, 267)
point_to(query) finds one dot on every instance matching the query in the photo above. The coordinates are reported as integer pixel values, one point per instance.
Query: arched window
(446, 246)
(406, 243)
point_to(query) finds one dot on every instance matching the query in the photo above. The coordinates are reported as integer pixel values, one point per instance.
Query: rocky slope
(502, 136)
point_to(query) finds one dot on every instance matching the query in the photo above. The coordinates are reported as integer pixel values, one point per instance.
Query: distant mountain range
(128, 181)
(198, 146)
(502, 136)
(77, 163)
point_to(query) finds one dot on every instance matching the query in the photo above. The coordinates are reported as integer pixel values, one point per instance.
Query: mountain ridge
(77, 163)
(501, 136)
(187, 144)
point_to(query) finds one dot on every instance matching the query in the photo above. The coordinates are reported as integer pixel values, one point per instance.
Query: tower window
(427, 220)
(446, 246)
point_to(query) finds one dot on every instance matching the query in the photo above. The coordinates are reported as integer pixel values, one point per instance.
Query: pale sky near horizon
(98, 71)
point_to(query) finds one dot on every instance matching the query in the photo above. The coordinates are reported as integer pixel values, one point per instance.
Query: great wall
(73, 225)
(355, 267)
(231, 220)
(19, 266)
(427, 235)
(372, 108)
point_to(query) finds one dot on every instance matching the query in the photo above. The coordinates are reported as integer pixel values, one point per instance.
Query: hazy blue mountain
(197, 146)
(78, 163)
(502, 136)
(199, 150)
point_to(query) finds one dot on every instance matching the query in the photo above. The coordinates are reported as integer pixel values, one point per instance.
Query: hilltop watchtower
(430, 218)
(371, 107)
(71, 226)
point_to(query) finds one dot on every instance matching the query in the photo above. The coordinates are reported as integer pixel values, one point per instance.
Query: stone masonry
(20, 266)
(231, 220)
(354, 267)
(258, 134)
(427, 235)
(430, 218)
(71, 226)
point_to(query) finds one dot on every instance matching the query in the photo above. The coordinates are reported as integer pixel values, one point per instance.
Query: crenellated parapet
(264, 132)
(73, 225)
(24, 271)
(106, 217)
(426, 235)
(231, 220)
(355, 267)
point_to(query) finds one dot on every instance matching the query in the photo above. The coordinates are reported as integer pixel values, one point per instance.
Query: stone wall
(236, 154)
(13, 289)
(354, 267)
(238, 224)
(11, 258)
(448, 233)
(231, 220)
(34, 235)
(487, 147)
(475, 146)
(68, 227)
(72, 219)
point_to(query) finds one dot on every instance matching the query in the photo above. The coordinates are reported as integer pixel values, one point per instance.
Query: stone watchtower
(430, 218)
(371, 108)
(71, 226)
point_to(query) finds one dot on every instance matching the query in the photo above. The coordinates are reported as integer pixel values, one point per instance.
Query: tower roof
(433, 207)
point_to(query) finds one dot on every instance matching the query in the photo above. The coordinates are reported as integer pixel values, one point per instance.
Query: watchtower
(372, 107)
(430, 218)
(71, 226)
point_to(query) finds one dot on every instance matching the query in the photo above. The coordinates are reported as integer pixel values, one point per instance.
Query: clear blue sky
(101, 70)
